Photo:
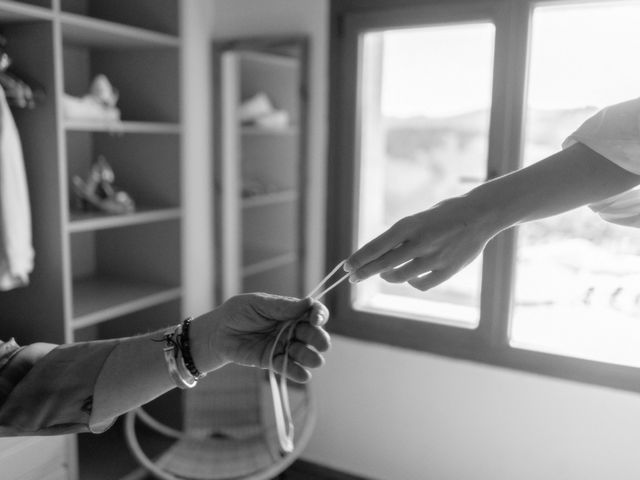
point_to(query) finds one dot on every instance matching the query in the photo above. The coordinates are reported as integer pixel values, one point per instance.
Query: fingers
(412, 269)
(315, 336)
(430, 280)
(276, 307)
(376, 248)
(305, 356)
(295, 371)
(304, 352)
(319, 314)
(386, 262)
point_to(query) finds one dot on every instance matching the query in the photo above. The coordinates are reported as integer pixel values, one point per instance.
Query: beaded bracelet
(185, 347)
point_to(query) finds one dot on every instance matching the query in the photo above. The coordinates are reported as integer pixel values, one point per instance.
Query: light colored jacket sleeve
(614, 133)
(48, 389)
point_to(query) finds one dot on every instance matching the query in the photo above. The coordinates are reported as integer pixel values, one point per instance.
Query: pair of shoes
(98, 192)
(259, 110)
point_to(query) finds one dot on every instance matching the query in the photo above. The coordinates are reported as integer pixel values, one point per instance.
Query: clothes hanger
(19, 92)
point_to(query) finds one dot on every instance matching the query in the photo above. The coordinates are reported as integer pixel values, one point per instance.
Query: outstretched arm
(435, 244)
(85, 386)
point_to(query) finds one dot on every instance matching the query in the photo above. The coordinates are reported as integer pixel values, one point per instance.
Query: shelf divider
(267, 199)
(97, 299)
(251, 130)
(85, 222)
(21, 12)
(122, 127)
(94, 32)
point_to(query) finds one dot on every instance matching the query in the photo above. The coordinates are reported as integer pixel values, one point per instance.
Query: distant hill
(405, 136)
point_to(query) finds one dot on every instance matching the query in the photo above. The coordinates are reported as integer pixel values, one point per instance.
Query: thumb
(280, 308)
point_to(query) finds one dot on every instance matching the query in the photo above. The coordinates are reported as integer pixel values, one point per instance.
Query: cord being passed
(280, 394)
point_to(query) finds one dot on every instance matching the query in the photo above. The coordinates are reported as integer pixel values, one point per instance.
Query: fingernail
(353, 279)
(347, 267)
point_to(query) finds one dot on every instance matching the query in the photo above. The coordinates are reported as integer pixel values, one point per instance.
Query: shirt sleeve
(614, 133)
(48, 389)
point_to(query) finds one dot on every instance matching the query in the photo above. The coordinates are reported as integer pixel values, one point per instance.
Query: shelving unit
(96, 275)
(85, 222)
(262, 200)
(122, 127)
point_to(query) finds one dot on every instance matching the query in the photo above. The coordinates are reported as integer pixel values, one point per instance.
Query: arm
(449, 235)
(85, 386)
(241, 331)
(569, 179)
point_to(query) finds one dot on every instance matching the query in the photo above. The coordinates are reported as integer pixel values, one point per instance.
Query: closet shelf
(122, 127)
(11, 11)
(271, 59)
(252, 130)
(92, 32)
(85, 222)
(270, 199)
(97, 299)
(269, 264)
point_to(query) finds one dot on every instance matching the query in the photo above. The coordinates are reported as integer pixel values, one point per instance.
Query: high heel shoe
(98, 192)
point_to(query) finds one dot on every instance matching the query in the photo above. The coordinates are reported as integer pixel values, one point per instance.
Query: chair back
(226, 403)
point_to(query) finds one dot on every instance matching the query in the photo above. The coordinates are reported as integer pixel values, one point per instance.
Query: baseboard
(313, 471)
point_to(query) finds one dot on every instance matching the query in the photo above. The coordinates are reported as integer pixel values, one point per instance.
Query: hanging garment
(16, 250)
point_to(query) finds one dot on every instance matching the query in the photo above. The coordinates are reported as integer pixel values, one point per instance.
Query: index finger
(373, 250)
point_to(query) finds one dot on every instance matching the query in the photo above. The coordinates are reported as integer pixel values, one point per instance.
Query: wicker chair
(229, 430)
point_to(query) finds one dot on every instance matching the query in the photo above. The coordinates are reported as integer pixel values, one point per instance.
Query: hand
(245, 327)
(427, 248)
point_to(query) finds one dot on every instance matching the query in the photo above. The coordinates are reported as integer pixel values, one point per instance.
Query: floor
(302, 470)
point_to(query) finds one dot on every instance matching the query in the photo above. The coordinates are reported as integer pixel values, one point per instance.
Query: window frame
(489, 342)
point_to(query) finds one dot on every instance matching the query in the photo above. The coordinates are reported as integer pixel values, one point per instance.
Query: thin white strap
(280, 393)
(333, 285)
(325, 279)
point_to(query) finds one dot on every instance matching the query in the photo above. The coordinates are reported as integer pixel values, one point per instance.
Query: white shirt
(614, 133)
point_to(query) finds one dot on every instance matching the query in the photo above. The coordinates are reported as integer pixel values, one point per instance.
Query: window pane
(425, 96)
(577, 290)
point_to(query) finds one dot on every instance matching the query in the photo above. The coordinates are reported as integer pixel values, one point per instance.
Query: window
(426, 97)
(578, 278)
(430, 100)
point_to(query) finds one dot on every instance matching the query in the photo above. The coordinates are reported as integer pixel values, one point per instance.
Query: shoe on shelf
(98, 192)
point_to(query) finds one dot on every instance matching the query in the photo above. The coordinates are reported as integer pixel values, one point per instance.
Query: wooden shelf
(269, 264)
(268, 199)
(21, 12)
(99, 276)
(122, 127)
(92, 32)
(254, 130)
(85, 222)
(271, 59)
(98, 299)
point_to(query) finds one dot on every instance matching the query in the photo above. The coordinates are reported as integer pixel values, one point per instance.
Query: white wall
(197, 196)
(388, 413)
(393, 414)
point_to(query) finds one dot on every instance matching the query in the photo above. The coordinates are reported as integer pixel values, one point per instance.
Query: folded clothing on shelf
(259, 110)
(87, 108)
(98, 105)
